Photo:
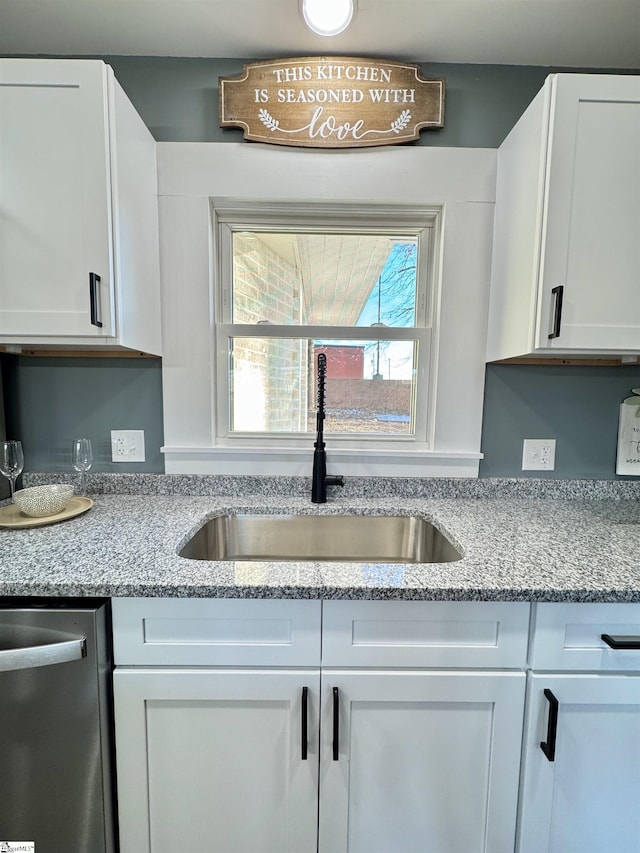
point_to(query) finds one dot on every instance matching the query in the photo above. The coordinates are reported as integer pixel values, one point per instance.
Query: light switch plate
(127, 445)
(539, 454)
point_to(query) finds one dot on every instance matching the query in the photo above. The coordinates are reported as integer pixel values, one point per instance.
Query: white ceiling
(565, 33)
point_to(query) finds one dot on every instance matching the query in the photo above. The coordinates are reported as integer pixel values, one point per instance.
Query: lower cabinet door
(415, 761)
(217, 760)
(581, 793)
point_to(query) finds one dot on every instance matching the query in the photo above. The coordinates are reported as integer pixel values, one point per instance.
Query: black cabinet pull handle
(557, 314)
(549, 746)
(621, 641)
(94, 283)
(305, 705)
(336, 724)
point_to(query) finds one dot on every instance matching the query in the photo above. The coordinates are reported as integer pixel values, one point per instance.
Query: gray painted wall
(49, 401)
(578, 406)
(178, 99)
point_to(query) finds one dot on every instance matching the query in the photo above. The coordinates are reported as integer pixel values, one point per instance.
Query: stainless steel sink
(356, 538)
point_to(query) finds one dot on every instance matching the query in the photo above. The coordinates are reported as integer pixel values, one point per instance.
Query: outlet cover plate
(127, 445)
(539, 454)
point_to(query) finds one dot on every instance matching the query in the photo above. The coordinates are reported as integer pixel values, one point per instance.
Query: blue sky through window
(393, 297)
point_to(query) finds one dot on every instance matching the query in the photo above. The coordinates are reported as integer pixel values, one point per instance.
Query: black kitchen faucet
(321, 479)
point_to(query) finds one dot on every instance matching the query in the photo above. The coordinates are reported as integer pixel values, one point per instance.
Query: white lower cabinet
(275, 726)
(580, 786)
(587, 799)
(234, 736)
(409, 761)
(419, 761)
(211, 697)
(213, 760)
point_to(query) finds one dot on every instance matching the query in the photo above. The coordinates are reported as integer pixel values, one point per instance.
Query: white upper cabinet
(566, 257)
(79, 259)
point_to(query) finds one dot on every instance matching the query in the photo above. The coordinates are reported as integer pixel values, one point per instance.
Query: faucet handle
(334, 480)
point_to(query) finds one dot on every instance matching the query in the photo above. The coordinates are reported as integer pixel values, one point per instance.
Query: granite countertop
(521, 541)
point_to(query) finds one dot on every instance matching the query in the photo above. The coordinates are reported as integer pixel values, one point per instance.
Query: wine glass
(11, 462)
(82, 458)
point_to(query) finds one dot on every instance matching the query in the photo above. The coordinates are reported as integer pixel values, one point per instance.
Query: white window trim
(297, 461)
(419, 221)
(461, 180)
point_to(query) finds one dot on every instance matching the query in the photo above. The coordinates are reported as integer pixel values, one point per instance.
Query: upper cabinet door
(55, 200)
(565, 276)
(591, 216)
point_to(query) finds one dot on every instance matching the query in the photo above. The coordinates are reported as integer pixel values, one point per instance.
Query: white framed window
(358, 282)
(448, 193)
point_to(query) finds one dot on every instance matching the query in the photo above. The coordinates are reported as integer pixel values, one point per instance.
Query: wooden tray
(11, 516)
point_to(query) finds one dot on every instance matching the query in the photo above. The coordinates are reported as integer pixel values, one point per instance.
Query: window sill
(297, 461)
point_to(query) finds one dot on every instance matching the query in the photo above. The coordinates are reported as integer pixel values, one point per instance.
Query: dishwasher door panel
(55, 785)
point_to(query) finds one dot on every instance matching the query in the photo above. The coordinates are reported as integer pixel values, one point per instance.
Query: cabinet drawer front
(425, 634)
(569, 636)
(216, 632)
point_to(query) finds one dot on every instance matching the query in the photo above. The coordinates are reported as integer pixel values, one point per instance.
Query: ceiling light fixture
(327, 17)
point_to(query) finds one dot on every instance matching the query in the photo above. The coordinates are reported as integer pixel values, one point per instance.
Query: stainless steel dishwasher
(56, 785)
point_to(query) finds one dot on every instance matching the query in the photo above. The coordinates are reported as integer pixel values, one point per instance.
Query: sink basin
(344, 538)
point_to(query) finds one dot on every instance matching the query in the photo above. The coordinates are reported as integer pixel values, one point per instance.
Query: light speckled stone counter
(539, 540)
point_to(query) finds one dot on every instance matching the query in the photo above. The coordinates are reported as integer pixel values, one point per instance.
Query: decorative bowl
(39, 501)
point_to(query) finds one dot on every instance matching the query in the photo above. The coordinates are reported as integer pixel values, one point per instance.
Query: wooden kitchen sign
(331, 102)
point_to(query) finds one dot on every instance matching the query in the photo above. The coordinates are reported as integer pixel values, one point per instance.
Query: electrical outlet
(539, 454)
(127, 445)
